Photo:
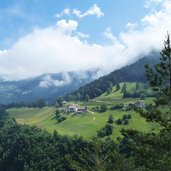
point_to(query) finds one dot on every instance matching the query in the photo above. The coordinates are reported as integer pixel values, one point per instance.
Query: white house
(140, 104)
(73, 108)
(77, 109)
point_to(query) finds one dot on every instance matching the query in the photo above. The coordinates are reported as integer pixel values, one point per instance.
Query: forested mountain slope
(132, 73)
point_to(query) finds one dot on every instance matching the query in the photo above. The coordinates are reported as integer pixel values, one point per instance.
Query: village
(77, 109)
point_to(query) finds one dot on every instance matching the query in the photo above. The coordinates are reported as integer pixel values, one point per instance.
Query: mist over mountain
(47, 86)
(134, 72)
(51, 86)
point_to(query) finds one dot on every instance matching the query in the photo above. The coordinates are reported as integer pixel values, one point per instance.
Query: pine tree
(110, 119)
(78, 97)
(124, 87)
(137, 86)
(153, 150)
(117, 86)
(87, 97)
(159, 78)
(110, 87)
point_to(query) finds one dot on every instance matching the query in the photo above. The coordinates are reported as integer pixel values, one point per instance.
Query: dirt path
(93, 114)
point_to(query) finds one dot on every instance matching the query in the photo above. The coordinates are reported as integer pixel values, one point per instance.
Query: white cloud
(82, 35)
(108, 34)
(48, 81)
(67, 26)
(66, 11)
(152, 3)
(77, 12)
(167, 6)
(50, 51)
(131, 26)
(55, 49)
(94, 10)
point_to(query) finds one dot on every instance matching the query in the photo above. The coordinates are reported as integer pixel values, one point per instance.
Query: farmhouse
(139, 104)
(73, 108)
(82, 110)
(76, 109)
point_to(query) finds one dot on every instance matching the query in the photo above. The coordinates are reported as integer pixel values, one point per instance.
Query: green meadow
(86, 125)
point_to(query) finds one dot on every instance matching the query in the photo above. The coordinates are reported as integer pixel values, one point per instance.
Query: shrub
(129, 116)
(105, 131)
(103, 108)
(125, 117)
(116, 107)
(96, 108)
(126, 122)
(119, 122)
(101, 133)
(110, 119)
(61, 118)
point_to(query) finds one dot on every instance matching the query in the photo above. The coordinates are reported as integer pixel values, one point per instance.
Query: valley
(85, 85)
(88, 124)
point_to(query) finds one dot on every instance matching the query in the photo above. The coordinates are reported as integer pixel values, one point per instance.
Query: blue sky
(18, 17)
(40, 36)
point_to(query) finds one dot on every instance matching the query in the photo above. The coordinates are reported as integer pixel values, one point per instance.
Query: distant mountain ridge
(51, 86)
(47, 86)
(131, 73)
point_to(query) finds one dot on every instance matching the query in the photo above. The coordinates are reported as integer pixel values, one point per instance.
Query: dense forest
(25, 148)
(131, 73)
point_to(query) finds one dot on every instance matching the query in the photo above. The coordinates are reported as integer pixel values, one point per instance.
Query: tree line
(38, 103)
(26, 148)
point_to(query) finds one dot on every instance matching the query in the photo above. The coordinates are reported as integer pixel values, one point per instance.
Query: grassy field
(85, 125)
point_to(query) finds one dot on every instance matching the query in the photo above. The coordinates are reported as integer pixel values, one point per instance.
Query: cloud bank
(94, 10)
(48, 81)
(60, 48)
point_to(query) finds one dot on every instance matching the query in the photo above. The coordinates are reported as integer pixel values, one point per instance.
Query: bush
(126, 122)
(116, 107)
(125, 117)
(105, 131)
(96, 108)
(129, 116)
(101, 133)
(103, 108)
(110, 119)
(128, 108)
(61, 119)
(57, 112)
(119, 122)
(149, 107)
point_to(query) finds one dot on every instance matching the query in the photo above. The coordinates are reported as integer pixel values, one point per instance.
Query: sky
(40, 36)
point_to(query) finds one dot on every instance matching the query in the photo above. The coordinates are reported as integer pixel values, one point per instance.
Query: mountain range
(47, 86)
(51, 86)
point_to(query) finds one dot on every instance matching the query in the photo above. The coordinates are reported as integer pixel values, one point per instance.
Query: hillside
(87, 125)
(132, 73)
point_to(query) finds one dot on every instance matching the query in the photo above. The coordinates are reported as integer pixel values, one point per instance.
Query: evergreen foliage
(110, 119)
(132, 73)
(25, 148)
(105, 131)
(103, 108)
(152, 151)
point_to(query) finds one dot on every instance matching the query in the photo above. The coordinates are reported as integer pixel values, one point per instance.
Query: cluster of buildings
(139, 104)
(77, 109)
